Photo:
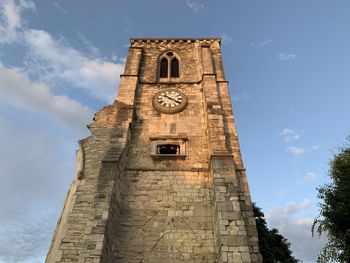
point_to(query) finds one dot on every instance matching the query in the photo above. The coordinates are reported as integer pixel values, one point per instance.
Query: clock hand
(171, 98)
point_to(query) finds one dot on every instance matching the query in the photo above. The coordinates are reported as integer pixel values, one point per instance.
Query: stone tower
(161, 177)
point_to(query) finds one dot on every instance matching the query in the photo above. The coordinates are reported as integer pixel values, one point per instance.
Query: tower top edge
(185, 40)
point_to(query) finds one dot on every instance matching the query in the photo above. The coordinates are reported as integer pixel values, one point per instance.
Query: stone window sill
(168, 156)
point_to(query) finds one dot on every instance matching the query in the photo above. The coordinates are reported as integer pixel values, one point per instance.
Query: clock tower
(161, 177)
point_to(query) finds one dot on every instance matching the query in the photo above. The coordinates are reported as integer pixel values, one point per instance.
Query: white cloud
(290, 135)
(37, 158)
(10, 19)
(293, 207)
(296, 150)
(296, 229)
(55, 62)
(286, 56)
(309, 178)
(19, 91)
(195, 5)
(12, 15)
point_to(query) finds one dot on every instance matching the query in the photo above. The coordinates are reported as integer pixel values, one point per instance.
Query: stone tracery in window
(169, 66)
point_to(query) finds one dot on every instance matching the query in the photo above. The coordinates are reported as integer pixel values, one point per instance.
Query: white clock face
(169, 101)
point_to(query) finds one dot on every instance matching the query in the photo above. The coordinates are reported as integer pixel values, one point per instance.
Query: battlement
(173, 40)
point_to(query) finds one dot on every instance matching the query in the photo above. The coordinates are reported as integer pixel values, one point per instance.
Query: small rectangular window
(168, 149)
(169, 146)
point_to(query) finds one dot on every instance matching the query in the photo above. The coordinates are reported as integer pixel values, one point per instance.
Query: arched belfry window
(163, 73)
(169, 66)
(174, 69)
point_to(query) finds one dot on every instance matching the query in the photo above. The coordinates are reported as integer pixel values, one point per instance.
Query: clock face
(169, 101)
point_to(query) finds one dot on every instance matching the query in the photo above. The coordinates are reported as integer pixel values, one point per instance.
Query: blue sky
(287, 63)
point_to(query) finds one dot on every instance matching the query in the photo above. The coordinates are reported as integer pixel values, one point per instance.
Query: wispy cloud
(265, 42)
(195, 5)
(290, 135)
(308, 178)
(286, 56)
(283, 193)
(315, 147)
(296, 229)
(95, 52)
(58, 6)
(11, 20)
(293, 207)
(296, 150)
(241, 96)
(226, 39)
(29, 238)
(261, 44)
(29, 191)
(54, 61)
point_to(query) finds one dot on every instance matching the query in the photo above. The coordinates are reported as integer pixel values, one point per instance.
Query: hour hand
(170, 97)
(174, 98)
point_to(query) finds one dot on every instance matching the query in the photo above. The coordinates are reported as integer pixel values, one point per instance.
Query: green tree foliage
(273, 246)
(334, 217)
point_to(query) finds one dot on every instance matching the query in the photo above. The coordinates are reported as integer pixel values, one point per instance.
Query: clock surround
(169, 101)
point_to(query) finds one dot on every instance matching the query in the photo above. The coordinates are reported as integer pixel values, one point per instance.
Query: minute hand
(173, 99)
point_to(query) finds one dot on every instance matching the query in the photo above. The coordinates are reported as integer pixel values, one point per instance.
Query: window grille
(168, 149)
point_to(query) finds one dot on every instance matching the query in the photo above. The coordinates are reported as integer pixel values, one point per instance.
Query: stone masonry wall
(167, 209)
(188, 52)
(166, 217)
(149, 123)
(81, 233)
(126, 205)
